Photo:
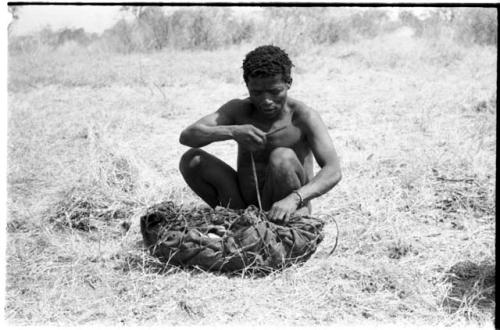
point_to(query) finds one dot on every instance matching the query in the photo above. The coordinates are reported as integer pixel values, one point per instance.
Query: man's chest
(282, 132)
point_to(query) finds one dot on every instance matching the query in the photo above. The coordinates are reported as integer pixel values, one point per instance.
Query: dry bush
(213, 28)
(120, 38)
(152, 29)
(465, 25)
(477, 26)
(298, 29)
(209, 28)
(49, 39)
(369, 23)
(295, 28)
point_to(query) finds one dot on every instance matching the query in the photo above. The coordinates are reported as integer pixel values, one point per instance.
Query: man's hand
(282, 210)
(250, 137)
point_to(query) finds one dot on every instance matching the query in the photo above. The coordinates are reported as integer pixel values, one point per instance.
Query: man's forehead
(267, 80)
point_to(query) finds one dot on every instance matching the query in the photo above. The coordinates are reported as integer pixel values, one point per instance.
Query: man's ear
(289, 83)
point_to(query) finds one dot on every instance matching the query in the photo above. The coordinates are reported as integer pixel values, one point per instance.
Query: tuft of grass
(472, 288)
(87, 209)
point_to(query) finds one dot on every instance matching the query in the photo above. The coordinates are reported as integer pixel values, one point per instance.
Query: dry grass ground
(93, 141)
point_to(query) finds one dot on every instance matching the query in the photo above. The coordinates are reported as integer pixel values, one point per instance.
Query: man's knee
(190, 160)
(283, 159)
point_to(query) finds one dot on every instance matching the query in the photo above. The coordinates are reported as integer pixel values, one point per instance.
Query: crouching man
(280, 135)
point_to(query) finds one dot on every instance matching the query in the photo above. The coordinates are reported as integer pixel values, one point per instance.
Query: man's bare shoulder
(302, 113)
(237, 106)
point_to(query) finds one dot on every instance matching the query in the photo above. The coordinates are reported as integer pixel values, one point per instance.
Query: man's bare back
(282, 134)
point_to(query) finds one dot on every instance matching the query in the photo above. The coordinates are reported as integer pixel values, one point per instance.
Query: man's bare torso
(292, 136)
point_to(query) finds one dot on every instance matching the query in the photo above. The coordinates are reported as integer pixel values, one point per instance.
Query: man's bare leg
(284, 174)
(210, 178)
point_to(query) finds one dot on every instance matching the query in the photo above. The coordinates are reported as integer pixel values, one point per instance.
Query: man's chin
(270, 113)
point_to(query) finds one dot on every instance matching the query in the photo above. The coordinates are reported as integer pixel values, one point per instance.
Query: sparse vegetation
(92, 142)
(465, 25)
(211, 28)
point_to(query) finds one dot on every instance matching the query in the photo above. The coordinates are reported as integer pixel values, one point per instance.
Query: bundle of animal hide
(228, 240)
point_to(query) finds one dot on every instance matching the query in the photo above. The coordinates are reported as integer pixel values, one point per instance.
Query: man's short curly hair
(265, 61)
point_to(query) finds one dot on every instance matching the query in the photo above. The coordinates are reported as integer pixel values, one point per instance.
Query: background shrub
(152, 29)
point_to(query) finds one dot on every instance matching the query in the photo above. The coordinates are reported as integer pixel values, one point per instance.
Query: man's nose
(266, 99)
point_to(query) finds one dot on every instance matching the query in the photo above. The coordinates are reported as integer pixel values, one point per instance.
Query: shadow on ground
(472, 285)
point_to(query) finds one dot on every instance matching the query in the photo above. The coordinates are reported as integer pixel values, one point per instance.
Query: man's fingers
(272, 213)
(259, 132)
(277, 214)
(261, 139)
(287, 217)
(276, 130)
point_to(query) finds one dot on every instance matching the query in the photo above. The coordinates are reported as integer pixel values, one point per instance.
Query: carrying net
(228, 240)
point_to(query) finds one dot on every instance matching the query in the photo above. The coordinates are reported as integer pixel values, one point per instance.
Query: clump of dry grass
(400, 249)
(88, 209)
(467, 194)
(472, 289)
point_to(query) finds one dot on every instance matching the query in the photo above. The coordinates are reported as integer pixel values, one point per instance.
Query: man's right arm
(216, 126)
(221, 126)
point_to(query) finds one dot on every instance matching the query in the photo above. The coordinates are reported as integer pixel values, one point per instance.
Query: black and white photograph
(285, 164)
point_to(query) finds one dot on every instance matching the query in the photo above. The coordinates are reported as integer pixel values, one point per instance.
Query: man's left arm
(325, 154)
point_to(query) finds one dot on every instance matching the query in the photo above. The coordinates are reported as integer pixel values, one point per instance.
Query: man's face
(268, 94)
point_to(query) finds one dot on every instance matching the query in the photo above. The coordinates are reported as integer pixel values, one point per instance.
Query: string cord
(256, 181)
(336, 237)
